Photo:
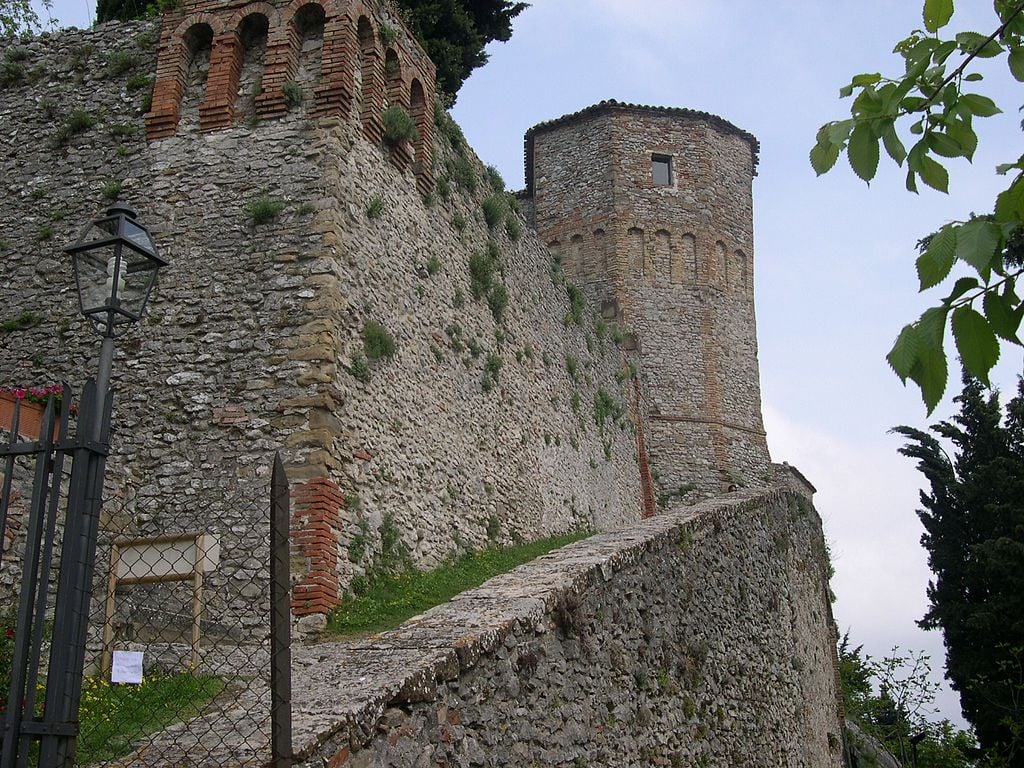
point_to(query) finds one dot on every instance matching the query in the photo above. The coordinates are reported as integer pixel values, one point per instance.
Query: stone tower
(649, 210)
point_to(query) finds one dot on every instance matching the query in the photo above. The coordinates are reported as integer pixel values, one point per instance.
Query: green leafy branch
(941, 114)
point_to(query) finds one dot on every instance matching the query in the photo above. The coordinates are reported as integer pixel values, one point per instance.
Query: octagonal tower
(649, 209)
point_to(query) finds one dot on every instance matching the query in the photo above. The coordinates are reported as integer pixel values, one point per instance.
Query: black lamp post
(116, 263)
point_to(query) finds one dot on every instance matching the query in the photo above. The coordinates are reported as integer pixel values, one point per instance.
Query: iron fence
(184, 654)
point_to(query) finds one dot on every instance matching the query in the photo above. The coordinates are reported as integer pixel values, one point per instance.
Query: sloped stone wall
(701, 637)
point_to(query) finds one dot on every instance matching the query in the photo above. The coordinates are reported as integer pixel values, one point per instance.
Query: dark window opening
(661, 170)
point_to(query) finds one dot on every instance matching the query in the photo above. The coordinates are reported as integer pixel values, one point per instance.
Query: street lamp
(116, 264)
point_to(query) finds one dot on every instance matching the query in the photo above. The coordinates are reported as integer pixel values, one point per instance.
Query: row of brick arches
(217, 69)
(656, 258)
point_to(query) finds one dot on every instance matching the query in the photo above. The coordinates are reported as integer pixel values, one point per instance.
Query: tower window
(661, 170)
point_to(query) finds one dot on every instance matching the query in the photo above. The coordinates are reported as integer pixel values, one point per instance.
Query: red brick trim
(316, 521)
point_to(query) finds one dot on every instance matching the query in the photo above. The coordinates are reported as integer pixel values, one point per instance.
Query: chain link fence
(178, 652)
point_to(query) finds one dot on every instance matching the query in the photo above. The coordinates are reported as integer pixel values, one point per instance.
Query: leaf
(1016, 62)
(859, 81)
(838, 132)
(962, 133)
(960, 287)
(1001, 316)
(978, 44)
(894, 146)
(911, 181)
(824, 157)
(937, 14)
(979, 105)
(975, 341)
(976, 243)
(930, 373)
(933, 174)
(1010, 203)
(862, 152)
(903, 354)
(942, 52)
(935, 263)
(932, 325)
(943, 144)
(974, 77)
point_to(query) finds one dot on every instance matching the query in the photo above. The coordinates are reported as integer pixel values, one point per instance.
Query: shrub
(359, 368)
(375, 207)
(577, 303)
(388, 36)
(444, 188)
(461, 170)
(293, 95)
(447, 127)
(122, 130)
(459, 222)
(305, 209)
(433, 265)
(16, 53)
(481, 273)
(494, 210)
(497, 300)
(377, 342)
(494, 177)
(111, 190)
(79, 121)
(11, 73)
(571, 366)
(458, 299)
(263, 209)
(119, 62)
(398, 126)
(137, 82)
(513, 228)
(493, 365)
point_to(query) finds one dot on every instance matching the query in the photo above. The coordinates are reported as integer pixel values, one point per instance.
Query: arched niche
(635, 251)
(196, 48)
(600, 258)
(684, 260)
(308, 36)
(721, 265)
(740, 270)
(662, 257)
(371, 79)
(418, 112)
(393, 77)
(252, 39)
(555, 249)
(574, 257)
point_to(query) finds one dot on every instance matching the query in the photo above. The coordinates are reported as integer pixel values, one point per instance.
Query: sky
(833, 258)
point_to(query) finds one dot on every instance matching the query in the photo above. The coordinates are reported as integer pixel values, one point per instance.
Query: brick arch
(371, 65)
(423, 165)
(272, 15)
(172, 68)
(218, 108)
(574, 257)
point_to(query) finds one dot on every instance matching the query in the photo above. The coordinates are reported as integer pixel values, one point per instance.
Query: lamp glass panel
(137, 235)
(136, 278)
(102, 229)
(94, 270)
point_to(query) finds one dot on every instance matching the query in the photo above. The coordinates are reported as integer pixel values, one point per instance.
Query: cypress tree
(974, 534)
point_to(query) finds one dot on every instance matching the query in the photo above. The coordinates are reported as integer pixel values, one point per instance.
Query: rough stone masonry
(509, 404)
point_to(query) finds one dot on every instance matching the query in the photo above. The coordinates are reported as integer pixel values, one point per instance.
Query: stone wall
(701, 637)
(477, 429)
(672, 265)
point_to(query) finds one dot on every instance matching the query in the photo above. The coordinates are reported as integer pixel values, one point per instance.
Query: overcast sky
(833, 258)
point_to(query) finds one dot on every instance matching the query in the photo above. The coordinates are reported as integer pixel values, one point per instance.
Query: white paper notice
(127, 667)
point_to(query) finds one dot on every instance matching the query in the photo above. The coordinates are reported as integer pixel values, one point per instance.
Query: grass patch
(393, 599)
(375, 207)
(377, 342)
(114, 716)
(293, 95)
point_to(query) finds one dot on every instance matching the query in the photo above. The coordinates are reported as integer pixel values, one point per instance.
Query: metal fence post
(280, 620)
